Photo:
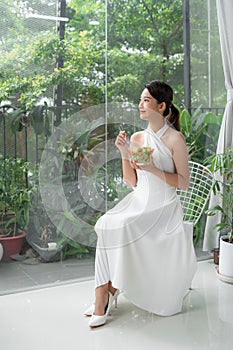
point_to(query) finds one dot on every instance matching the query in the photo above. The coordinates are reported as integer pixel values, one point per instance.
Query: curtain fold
(225, 24)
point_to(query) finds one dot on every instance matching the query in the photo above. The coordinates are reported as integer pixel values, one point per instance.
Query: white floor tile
(52, 318)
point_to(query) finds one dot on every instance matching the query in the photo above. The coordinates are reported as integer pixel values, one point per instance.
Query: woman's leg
(102, 274)
(101, 299)
(111, 289)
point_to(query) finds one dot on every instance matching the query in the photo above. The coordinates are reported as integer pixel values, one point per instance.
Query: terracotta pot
(12, 245)
(216, 255)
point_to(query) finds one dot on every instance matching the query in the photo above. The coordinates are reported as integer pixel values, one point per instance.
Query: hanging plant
(39, 120)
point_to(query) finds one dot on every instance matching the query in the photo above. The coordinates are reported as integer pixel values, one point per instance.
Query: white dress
(142, 246)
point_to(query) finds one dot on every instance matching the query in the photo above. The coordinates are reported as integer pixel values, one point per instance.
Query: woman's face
(148, 106)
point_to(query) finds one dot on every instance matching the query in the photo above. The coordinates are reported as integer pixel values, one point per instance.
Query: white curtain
(225, 23)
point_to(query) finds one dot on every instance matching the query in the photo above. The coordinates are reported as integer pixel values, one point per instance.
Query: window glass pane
(207, 80)
(72, 73)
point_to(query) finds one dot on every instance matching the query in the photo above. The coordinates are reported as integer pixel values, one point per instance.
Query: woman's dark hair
(163, 92)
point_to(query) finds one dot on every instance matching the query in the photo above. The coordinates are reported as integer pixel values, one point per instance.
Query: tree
(208, 86)
(144, 42)
(10, 23)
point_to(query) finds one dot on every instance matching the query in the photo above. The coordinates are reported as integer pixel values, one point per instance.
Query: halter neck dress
(143, 246)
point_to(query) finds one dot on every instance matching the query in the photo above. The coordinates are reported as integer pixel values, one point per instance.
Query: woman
(142, 246)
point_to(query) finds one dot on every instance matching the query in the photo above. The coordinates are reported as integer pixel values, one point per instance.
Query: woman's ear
(162, 107)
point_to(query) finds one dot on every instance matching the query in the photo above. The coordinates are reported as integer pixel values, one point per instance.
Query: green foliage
(39, 120)
(19, 118)
(10, 22)
(15, 193)
(16, 119)
(73, 249)
(144, 42)
(74, 142)
(162, 21)
(223, 164)
(198, 230)
(208, 86)
(201, 132)
(42, 229)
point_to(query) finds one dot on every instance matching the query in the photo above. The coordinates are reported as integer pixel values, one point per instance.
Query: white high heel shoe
(97, 321)
(90, 310)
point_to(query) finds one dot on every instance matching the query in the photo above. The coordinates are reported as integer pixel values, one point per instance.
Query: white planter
(1, 251)
(226, 260)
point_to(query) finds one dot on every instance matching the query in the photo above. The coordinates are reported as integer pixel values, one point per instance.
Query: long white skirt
(145, 249)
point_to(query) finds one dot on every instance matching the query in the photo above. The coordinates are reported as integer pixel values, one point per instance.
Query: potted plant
(42, 234)
(46, 238)
(15, 194)
(223, 163)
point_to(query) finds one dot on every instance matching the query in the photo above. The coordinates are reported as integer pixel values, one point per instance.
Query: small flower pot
(12, 245)
(216, 255)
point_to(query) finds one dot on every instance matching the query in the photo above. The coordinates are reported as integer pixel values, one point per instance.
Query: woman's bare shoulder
(175, 135)
(137, 136)
(174, 140)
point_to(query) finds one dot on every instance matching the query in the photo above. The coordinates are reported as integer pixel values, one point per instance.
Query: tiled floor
(51, 318)
(17, 276)
(33, 274)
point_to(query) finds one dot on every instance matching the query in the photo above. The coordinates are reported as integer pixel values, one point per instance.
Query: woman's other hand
(122, 143)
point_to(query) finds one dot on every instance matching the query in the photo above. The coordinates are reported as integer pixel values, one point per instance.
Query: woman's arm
(128, 169)
(179, 179)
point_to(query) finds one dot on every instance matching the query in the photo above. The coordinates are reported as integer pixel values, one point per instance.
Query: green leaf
(211, 118)
(185, 121)
(37, 115)
(16, 116)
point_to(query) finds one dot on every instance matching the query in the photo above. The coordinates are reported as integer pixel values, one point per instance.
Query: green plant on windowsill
(223, 163)
(223, 186)
(15, 195)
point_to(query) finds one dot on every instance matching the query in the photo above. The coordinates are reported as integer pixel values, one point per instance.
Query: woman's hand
(133, 164)
(148, 167)
(122, 143)
(129, 173)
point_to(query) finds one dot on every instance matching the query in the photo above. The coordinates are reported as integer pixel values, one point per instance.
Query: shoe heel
(116, 295)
